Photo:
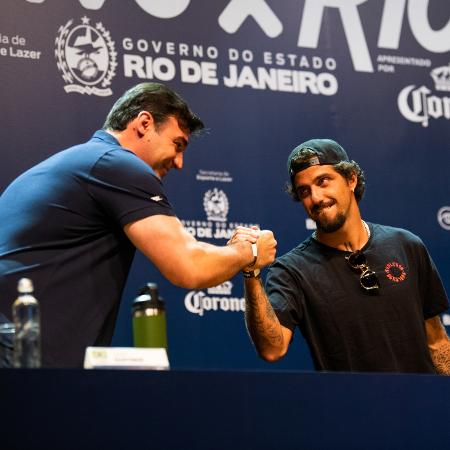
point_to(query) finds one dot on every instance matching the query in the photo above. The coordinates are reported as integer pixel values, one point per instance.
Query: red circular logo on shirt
(395, 272)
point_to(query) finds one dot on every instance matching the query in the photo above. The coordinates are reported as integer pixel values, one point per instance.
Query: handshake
(262, 241)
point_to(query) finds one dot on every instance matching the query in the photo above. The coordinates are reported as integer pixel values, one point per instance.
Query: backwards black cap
(326, 151)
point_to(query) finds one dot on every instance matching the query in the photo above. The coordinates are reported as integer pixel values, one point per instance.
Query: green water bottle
(149, 318)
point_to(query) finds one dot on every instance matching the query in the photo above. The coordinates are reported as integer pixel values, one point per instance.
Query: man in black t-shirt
(72, 222)
(366, 297)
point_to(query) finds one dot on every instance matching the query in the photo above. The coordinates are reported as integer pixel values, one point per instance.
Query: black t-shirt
(350, 329)
(62, 226)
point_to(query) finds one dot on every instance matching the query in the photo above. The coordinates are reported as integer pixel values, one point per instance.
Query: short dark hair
(156, 98)
(345, 168)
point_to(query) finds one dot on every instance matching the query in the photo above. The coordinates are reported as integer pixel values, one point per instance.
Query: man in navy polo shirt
(72, 222)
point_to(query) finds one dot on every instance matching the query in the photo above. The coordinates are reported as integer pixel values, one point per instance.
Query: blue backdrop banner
(264, 75)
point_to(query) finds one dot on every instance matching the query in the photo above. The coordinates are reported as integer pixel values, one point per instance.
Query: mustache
(322, 205)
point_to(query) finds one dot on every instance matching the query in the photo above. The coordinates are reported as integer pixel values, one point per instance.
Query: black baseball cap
(326, 152)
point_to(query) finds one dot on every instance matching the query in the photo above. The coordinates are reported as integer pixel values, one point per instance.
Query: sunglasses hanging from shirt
(368, 278)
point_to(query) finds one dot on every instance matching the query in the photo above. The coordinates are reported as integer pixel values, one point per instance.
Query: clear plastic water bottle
(27, 338)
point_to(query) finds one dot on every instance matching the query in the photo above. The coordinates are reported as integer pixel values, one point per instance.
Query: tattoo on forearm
(262, 322)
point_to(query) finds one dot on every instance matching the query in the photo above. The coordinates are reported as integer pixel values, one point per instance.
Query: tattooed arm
(438, 344)
(270, 338)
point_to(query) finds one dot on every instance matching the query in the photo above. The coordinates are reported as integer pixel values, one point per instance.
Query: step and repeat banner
(264, 75)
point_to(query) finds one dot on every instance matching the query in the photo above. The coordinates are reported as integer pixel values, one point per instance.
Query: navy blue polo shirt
(62, 226)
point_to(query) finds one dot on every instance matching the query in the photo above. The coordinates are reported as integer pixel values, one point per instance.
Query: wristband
(255, 255)
(251, 273)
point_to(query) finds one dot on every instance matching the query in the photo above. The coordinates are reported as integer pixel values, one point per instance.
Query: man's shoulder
(300, 252)
(389, 232)
(101, 154)
(85, 152)
(100, 144)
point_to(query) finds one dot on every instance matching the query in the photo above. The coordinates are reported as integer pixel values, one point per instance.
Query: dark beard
(330, 226)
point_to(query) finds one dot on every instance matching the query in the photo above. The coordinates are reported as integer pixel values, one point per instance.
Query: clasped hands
(264, 240)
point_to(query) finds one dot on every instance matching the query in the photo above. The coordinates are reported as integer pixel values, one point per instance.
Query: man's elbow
(271, 355)
(187, 279)
(184, 281)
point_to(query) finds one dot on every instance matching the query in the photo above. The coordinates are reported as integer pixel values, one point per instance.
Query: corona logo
(86, 58)
(197, 302)
(416, 104)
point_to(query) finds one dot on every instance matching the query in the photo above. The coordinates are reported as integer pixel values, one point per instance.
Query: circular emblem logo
(215, 203)
(443, 217)
(395, 272)
(86, 58)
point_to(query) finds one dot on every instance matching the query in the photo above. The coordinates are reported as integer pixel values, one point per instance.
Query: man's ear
(144, 123)
(353, 181)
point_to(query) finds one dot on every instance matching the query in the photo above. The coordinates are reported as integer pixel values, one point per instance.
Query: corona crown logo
(441, 77)
(221, 289)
